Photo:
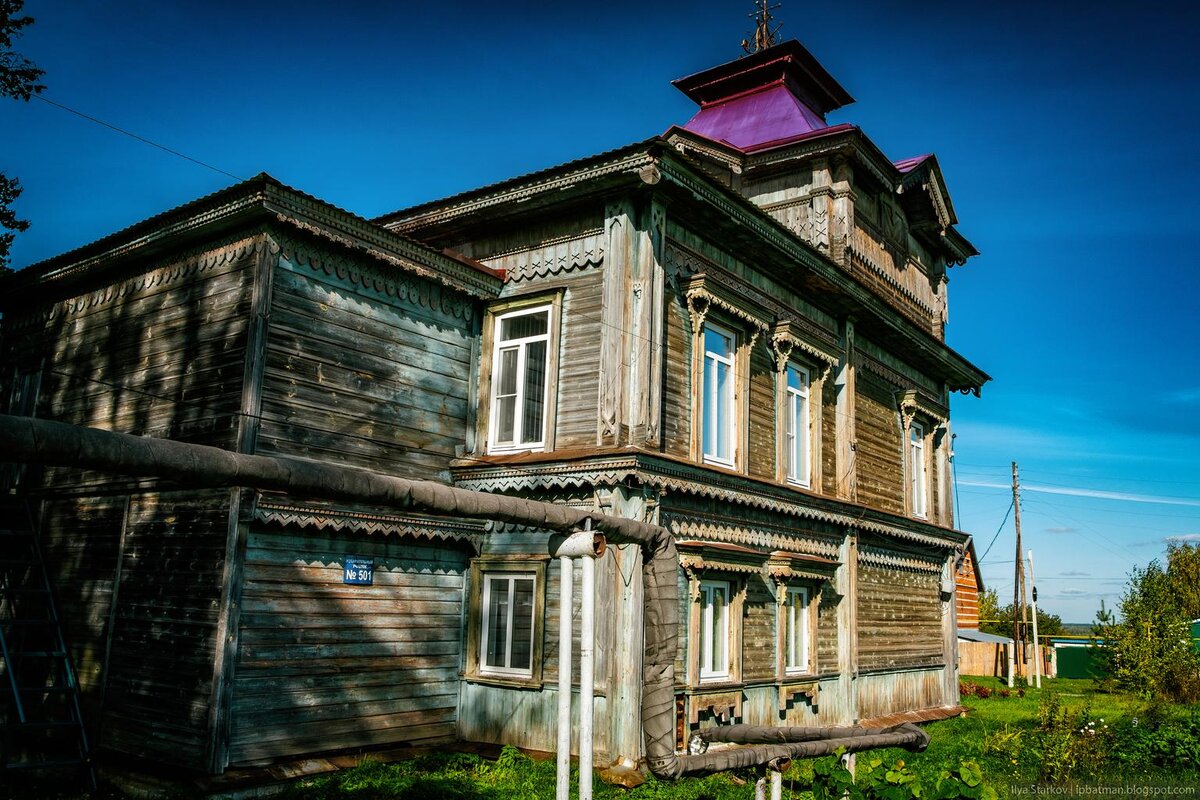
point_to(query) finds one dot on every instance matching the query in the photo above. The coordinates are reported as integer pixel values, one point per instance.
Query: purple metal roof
(755, 118)
(907, 165)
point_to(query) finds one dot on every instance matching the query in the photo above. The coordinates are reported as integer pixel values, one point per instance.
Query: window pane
(724, 411)
(522, 630)
(497, 623)
(717, 343)
(720, 620)
(506, 395)
(535, 392)
(519, 327)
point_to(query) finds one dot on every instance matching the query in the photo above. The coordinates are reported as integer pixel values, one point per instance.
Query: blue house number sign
(358, 571)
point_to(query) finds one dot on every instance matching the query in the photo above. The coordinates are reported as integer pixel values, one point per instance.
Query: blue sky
(1065, 131)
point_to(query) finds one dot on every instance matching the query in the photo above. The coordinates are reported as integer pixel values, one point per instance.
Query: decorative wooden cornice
(197, 260)
(697, 557)
(790, 335)
(668, 477)
(564, 254)
(245, 204)
(413, 287)
(880, 557)
(783, 566)
(703, 293)
(324, 517)
(631, 160)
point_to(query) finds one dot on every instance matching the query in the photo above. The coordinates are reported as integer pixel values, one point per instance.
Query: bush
(1154, 739)
(1068, 745)
(879, 781)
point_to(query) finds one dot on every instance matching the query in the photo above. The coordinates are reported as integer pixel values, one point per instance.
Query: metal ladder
(43, 730)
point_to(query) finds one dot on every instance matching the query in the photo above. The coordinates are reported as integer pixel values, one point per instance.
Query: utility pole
(1018, 577)
(1037, 650)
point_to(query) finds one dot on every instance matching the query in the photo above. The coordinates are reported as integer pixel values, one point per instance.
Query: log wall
(899, 618)
(322, 665)
(363, 368)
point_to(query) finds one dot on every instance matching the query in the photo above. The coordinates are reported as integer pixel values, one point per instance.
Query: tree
(998, 620)
(18, 80)
(1150, 652)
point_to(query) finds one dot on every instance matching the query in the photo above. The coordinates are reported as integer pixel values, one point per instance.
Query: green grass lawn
(1021, 754)
(1001, 734)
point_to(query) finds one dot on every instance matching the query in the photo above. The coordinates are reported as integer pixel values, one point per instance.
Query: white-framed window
(506, 638)
(520, 368)
(796, 659)
(719, 432)
(714, 630)
(797, 439)
(918, 484)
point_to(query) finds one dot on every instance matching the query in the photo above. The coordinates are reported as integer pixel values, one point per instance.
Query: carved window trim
(917, 468)
(492, 566)
(485, 422)
(790, 470)
(736, 583)
(744, 338)
(807, 616)
(919, 465)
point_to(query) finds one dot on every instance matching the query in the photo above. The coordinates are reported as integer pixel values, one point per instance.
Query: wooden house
(735, 329)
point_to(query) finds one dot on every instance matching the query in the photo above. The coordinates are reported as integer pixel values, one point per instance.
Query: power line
(994, 538)
(142, 139)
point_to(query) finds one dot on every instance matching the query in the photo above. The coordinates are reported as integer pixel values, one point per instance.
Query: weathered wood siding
(363, 368)
(490, 711)
(966, 594)
(677, 395)
(158, 353)
(80, 539)
(827, 631)
(159, 698)
(758, 631)
(829, 436)
(894, 692)
(761, 460)
(879, 449)
(322, 665)
(899, 618)
(579, 360)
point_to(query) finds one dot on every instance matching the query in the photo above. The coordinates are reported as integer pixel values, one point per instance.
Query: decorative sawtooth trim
(506, 481)
(724, 494)
(670, 477)
(879, 557)
(920, 397)
(201, 260)
(783, 566)
(333, 224)
(862, 259)
(430, 293)
(631, 163)
(786, 339)
(413, 525)
(700, 300)
(830, 145)
(684, 144)
(760, 536)
(552, 258)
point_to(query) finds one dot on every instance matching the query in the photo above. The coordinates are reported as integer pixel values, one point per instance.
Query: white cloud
(1099, 494)
(1186, 538)
(1061, 530)
(1075, 573)
(1075, 592)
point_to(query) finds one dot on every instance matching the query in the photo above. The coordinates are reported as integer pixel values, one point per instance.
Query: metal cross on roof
(764, 36)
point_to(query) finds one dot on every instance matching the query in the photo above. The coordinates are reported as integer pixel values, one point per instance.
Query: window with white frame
(520, 365)
(506, 636)
(916, 465)
(795, 631)
(714, 630)
(797, 445)
(717, 398)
